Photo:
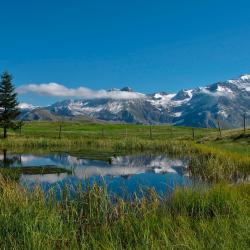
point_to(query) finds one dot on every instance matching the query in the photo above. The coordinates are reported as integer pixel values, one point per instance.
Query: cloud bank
(58, 90)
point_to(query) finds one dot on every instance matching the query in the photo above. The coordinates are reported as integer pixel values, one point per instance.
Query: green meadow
(215, 216)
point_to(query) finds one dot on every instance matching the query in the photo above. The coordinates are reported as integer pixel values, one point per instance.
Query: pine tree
(8, 103)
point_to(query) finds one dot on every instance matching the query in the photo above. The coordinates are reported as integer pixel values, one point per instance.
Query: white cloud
(55, 89)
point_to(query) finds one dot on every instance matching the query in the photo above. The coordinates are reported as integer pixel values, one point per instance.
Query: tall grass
(215, 218)
(211, 164)
(205, 162)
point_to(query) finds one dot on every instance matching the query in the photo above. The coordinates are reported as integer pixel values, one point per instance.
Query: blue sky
(147, 45)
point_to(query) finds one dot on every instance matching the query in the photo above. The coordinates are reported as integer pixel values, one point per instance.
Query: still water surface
(121, 174)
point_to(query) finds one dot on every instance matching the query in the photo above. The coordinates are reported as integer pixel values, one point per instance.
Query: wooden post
(171, 129)
(20, 124)
(219, 129)
(244, 122)
(193, 134)
(4, 132)
(60, 131)
(150, 131)
(102, 132)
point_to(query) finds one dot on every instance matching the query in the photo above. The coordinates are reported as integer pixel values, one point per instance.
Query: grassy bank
(205, 161)
(213, 217)
(216, 218)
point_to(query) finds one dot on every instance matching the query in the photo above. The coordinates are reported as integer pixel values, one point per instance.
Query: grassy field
(214, 217)
(231, 140)
(75, 134)
(75, 130)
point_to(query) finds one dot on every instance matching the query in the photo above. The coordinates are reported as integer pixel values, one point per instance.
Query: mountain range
(225, 101)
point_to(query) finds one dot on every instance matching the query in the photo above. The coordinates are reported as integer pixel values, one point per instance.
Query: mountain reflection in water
(128, 172)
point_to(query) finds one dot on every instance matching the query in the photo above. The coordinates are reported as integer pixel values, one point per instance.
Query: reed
(205, 162)
(211, 218)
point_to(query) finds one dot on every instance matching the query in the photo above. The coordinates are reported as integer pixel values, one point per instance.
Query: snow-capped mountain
(201, 107)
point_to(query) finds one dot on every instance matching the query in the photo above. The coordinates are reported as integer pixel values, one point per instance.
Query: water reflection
(44, 178)
(120, 173)
(8, 161)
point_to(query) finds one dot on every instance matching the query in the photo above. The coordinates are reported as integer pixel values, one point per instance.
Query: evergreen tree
(8, 103)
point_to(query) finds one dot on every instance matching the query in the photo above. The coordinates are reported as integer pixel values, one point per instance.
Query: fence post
(150, 131)
(102, 132)
(20, 127)
(193, 134)
(60, 131)
(219, 127)
(20, 124)
(244, 122)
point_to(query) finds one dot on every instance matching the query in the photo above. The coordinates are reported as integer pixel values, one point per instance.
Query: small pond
(122, 174)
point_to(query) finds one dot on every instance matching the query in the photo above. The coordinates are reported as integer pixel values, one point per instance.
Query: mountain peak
(242, 78)
(127, 89)
(243, 82)
(245, 77)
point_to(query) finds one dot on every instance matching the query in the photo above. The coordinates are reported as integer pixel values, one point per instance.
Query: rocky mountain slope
(200, 107)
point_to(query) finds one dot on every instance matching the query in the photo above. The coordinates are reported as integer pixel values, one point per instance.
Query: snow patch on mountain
(223, 113)
(224, 89)
(80, 108)
(162, 100)
(245, 77)
(115, 107)
(242, 83)
(177, 114)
